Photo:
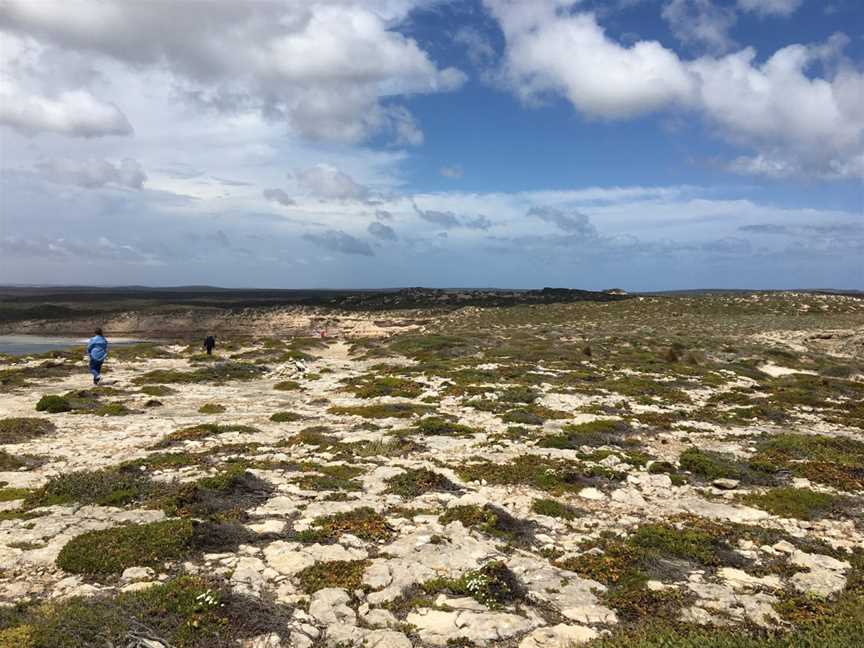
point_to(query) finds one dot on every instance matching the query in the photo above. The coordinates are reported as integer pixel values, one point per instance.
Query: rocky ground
(650, 472)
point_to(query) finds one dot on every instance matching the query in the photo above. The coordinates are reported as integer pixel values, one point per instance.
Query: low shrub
(346, 574)
(186, 612)
(384, 410)
(556, 509)
(493, 585)
(365, 523)
(212, 408)
(21, 429)
(217, 373)
(287, 385)
(413, 483)
(492, 521)
(285, 417)
(437, 426)
(108, 487)
(110, 551)
(53, 404)
(799, 503)
(198, 432)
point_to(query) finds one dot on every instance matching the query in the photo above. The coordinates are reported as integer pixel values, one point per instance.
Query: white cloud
(771, 7)
(573, 222)
(76, 113)
(570, 54)
(339, 241)
(778, 107)
(381, 231)
(453, 172)
(330, 69)
(279, 196)
(477, 46)
(700, 23)
(326, 182)
(93, 174)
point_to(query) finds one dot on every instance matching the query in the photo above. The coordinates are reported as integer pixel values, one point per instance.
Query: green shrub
(108, 487)
(112, 409)
(285, 417)
(490, 520)
(384, 410)
(710, 465)
(211, 408)
(375, 386)
(519, 395)
(556, 509)
(186, 612)
(157, 390)
(799, 503)
(339, 477)
(222, 372)
(287, 385)
(202, 431)
(413, 483)
(19, 430)
(9, 462)
(593, 434)
(546, 474)
(110, 551)
(365, 523)
(346, 574)
(229, 491)
(437, 426)
(53, 404)
(493, 585)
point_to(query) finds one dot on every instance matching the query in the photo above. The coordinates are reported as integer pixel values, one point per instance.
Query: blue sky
(646, 144)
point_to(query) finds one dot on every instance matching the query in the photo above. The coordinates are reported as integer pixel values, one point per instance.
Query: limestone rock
(137, 574)
(437, 627)
(386, 639)
(591, 494)
(725, 484)
(329, 606)
(271, 640)
(559, 636)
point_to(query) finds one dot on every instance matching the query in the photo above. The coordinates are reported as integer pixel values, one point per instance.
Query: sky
(636, 144)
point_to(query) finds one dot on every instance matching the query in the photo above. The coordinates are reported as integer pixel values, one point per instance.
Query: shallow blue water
(31, 344)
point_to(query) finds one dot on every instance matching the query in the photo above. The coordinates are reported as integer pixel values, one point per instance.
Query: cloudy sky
(644, 144)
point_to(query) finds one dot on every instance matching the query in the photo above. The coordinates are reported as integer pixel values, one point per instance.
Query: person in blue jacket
(97, 351)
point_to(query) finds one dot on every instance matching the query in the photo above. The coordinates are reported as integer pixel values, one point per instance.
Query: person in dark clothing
(97, 351)
(209, 344)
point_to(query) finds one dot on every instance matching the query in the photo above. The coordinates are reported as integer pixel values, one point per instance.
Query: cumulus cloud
(771, 7)
(98, 249)
(778, 107)
(477, 222)
(339, 241)
(278, 196)
(75, 113)
(444, 219)
(94, 174)
(453, 172)
(573, 222)
(329, 183)
(381, 231)
(329, 69)
(554, 51)
(477, 45)
(700, 23)
(449, 220)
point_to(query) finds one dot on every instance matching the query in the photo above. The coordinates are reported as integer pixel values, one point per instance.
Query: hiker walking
(97, 351)
(209, 344)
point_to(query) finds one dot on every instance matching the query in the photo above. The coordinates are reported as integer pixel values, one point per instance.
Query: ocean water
(30, 344)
